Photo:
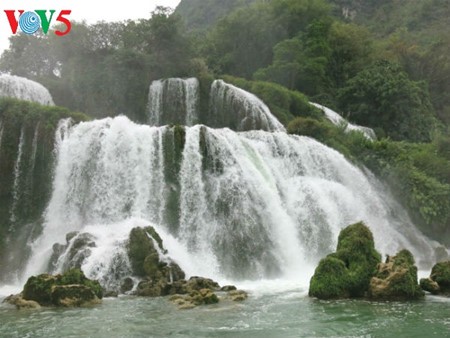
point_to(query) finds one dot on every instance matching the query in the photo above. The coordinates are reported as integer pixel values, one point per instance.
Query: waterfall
(34, 145)
(17, 170)
(24, 89)
(173, 101)
(251, 204)
(338, 120)
(177, 101)
(237, 109)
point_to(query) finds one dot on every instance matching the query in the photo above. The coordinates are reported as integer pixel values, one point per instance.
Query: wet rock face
(76, 250)
(396, 279)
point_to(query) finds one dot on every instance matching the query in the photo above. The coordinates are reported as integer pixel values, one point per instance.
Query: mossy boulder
(73, 295)
(441, 275)
(356, 248)
(429, 285)
(347, 272)
(39, 288)
(330, 280)
(396, 279)
(20, 303)
(70, 289)
(439, 281)
(144, 248)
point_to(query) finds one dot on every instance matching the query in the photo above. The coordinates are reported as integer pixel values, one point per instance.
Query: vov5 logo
(29, 22)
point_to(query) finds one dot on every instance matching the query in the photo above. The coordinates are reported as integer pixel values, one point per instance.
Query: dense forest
(383, 64)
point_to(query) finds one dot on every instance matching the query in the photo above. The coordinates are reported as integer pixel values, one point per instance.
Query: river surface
(287, 312)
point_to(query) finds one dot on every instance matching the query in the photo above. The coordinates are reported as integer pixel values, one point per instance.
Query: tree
(383, 96)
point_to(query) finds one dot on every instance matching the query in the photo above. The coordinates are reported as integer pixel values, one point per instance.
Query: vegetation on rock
(396, 279)
(439, 280)
(347, 272)
(70, 289)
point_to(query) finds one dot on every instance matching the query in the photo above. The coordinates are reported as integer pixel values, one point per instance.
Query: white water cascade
(239, 110)
(338, 120)
(17, 171)
(250, 205)
(24, 89)
(173, 101)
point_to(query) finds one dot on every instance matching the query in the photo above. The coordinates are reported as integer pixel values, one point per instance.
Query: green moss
(440, 273)
(330, 279)
(356, 248)
(141, 251)
(358, 261)
(40, 288)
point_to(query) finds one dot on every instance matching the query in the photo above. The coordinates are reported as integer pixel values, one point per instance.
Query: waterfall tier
(245, 205)
(24, 89)
(338, 120)
(177, 101)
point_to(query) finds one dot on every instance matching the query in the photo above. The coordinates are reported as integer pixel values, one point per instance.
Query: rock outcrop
(71, 289)
(347, 272)
(439, 281)
(161, 276)
(396, 279)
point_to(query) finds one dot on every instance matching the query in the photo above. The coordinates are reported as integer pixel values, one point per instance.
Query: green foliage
(199, 15)
(418, 177)
(383, 96)
(29, 120)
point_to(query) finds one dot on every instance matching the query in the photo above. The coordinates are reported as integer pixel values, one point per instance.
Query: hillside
(203, 14)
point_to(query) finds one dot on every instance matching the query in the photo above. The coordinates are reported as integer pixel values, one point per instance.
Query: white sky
(89, 10)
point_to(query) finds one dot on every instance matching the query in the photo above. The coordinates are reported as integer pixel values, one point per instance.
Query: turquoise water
(279, 314)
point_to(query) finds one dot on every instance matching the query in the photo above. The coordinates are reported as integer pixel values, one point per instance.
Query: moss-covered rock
(20, 303)
(440, 273)
(330, 279)
(429, 285)
(347, 272)
(73, 295)
(396, 279)
(141, 244)
(39, 289)
(439, 281)
(356, 248)
(70, 289)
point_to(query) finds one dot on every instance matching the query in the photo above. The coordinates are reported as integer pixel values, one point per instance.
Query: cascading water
(173, 101)
(24, 89)
(17, 171)
(251, 205)
(235, 108)
(338, 120)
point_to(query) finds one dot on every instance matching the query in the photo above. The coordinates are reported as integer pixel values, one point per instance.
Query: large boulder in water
(69, 289)
(396, 279)
(347, 272)
(439, 281)
(147, 256)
